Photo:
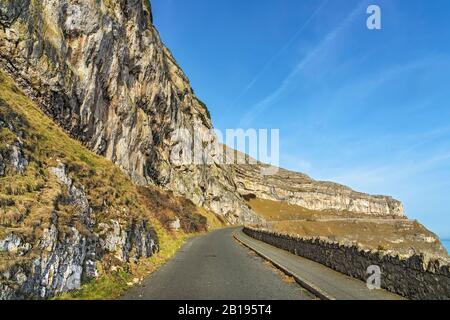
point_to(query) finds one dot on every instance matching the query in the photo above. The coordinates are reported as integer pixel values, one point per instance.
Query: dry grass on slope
(399, 235)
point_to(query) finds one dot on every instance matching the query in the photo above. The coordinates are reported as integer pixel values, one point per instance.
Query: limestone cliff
(100, 70)
(68, 215)
(300, 190)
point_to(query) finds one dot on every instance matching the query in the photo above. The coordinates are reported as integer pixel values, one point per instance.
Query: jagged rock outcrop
(65, 260)
(299, 189)
(65, 254)
(12, 157)
(254, 179)
(100, 70)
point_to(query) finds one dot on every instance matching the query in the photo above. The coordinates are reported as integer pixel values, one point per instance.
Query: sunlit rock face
(299, 189)
(270, 183)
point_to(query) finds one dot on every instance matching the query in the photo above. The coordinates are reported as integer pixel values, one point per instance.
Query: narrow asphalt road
(215, 266)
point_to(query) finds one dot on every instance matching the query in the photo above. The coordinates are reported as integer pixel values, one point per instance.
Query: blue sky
(369, 109)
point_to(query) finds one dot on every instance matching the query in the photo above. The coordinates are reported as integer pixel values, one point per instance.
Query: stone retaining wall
(413, 277)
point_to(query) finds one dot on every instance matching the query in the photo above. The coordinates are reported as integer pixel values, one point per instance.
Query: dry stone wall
(414, 277)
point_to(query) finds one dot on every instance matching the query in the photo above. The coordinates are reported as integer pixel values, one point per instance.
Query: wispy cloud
(281, 51)
(321, 47)
(362, 88)
(423, 138)
(366, 178)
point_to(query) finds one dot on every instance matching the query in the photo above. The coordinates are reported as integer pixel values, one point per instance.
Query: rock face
(299, 189)
(66, 215)
(68, 259)
(12, 158)
(100, 70)
(67, 255)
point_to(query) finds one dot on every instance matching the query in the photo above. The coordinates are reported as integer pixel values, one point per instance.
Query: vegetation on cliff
(32, 197)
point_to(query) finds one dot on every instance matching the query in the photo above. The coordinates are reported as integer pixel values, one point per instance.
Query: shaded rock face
(100, 70)
(299, 189)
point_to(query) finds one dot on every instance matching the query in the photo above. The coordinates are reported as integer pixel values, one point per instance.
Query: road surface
(215, 266)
